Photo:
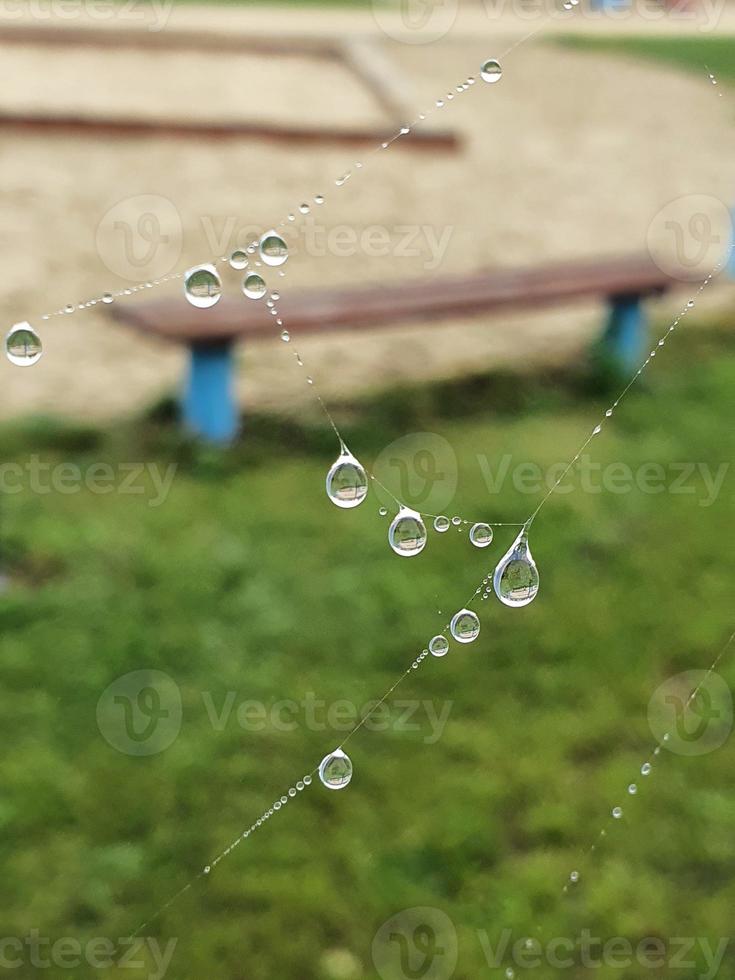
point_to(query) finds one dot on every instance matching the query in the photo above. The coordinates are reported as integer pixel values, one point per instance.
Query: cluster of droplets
(203, 283)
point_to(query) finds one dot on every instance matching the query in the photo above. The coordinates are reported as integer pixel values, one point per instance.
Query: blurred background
(188, 627)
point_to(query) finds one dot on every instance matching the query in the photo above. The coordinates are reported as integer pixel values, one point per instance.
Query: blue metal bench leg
(209, 407)
(626, 333)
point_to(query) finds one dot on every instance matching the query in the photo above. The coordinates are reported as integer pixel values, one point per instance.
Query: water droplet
(239, 259)
(407, 533)
(439, 645)
(23, 345)
(273, 250)
(491, 71)
(299, 786)
(307, 780)
(646, 769)
(254, 286)
(608, 413)
(335, 770)
(597, 430)
(617, 812)
(439, 104)
(383, 511)
(516, 579)
(107, 298)
(465, 626)
(481, 535)
(319, 199)
(347, 482)
(632, 789)
(285, 336)
(510, 973)
(292, 792)
(441, 524)
(456, 521)
(574, 877)
(304, 208)
(202, 286)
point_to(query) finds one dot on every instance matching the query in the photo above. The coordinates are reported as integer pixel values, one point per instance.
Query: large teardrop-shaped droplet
(335, 770)
(465, 626)
(23, 345)
(516, 578)
(407, 533)
(202, 286)
(273, 249)
(347, 482)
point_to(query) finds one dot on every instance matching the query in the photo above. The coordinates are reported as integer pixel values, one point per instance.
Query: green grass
(247, 580)
(694, 54)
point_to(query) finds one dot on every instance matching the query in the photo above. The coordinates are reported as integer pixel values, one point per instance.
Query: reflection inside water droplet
(273, 249)
(491, 71)
(481, 535)
(516, 578)
(407, 533)
(347, 482)
(465, 626)
(439, 645)
(202, 286)
(335, 770)
(254, 286)
(23, 345)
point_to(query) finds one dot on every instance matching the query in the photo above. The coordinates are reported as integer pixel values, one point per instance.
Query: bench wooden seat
(209, 406)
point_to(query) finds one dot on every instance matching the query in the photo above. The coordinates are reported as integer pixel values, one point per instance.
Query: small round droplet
(441, 524)
(481, 535)
(407, 533)
(335, 770)
(632, 789)
(439, 645)
(465, 626)
(307, 780)
(347, 482)
(202, 286)
(491, 71)
(383, 511)
(254, 286)
(23, 345)
(617, 812)
(239, 259)
(108, 298)
(646, 769)
(319, 199)
(597, 430)
(456, 521)
(273, 249)
(574, 877)
(285, 336)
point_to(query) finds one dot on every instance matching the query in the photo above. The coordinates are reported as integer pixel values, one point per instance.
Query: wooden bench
(209, 407)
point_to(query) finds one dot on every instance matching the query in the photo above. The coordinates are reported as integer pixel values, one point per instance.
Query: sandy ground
(570, 155)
